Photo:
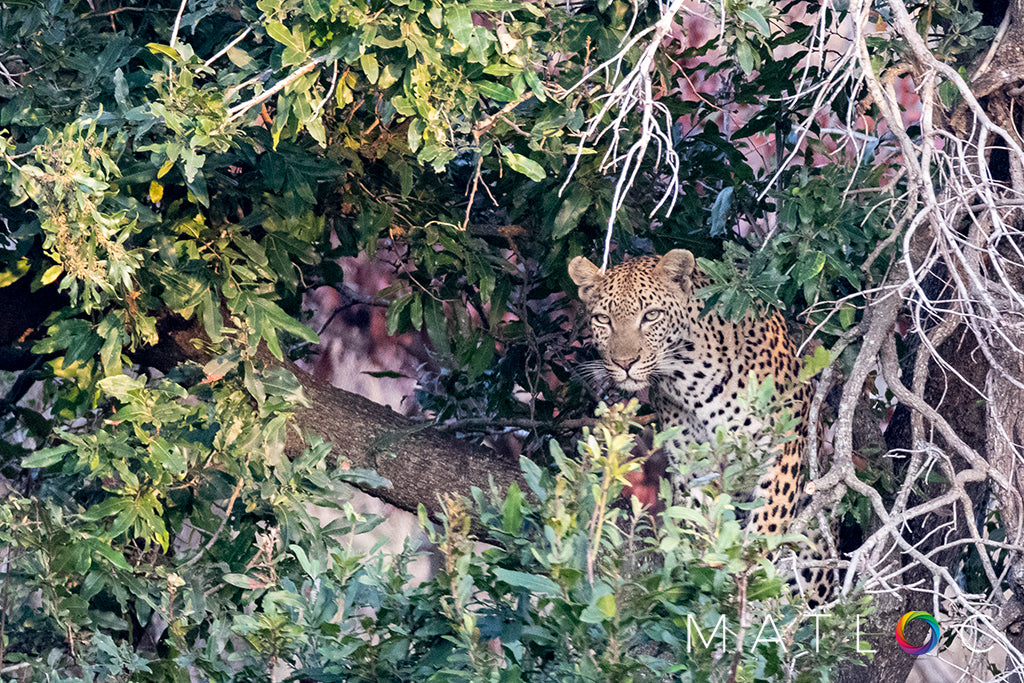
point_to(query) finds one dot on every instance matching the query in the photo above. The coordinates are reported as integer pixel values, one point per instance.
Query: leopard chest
(705, 382)
(701, 396)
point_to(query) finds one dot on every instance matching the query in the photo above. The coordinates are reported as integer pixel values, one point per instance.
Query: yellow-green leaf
(158, 49)
(239, 58)
(12, 275)
(51, 274)
(460, 23)
(606, 603)
(370, 67)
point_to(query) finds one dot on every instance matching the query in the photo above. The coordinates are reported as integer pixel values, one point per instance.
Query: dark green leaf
(537, 585)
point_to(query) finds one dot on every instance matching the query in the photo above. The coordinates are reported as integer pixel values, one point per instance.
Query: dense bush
(572, 584)
(199, 166)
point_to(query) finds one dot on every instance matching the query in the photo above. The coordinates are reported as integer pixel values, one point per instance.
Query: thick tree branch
(420, 461)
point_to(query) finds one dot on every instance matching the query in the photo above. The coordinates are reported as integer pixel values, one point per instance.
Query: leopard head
(639, 311)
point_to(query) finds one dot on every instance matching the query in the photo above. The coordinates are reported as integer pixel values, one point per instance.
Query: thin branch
(633, 91)
(472, 191)
(479, 129)
(996, 42)
(492, 424)
(223, 522)
(330, 91)
(239, 110)
(228, 47)
(177, 24)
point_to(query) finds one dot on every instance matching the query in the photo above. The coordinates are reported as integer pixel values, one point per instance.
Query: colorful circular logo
(933, 639)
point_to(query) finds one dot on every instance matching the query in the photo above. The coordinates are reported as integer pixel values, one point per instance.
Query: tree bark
(420, 462)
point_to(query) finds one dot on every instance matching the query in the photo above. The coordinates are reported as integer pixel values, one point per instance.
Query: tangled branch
(633, 92)
(959, 272)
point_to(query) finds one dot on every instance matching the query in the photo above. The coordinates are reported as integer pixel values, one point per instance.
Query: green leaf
(239, 58)
(252, 249)
(393, 318)
(460, 23)
(197, 188)
(602, 607)
(720, 210)
(47, 456)
(746, 56)
(533, 475)
(846, 315)
(416, 312)
(538, 585)
(815, 363)
(371, 69)
(512, 510)
(281, 34)
(528, 167)
(193, 163)
(501, 70)
(108, 508)
(753, 16)
(115, 557)
(434, 14)
(765, 391)
(809, 268)
(284, 384)
(318, 10)
(536, 85)
(495, 91)
(253, 385)
(572, 209)
(437, 327)
(480, 359)
(119, 386)
(111, 329)
(241, 581)
(220, 366)
(280, 320)
(170, 457)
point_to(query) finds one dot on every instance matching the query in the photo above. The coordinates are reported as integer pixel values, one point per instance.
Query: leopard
(652, 332)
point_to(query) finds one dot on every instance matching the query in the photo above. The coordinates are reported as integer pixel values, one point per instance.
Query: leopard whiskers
(664, 361)
(593, 374)
(591, 370)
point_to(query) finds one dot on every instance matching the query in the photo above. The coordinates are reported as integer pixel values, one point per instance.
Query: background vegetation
(176, 176)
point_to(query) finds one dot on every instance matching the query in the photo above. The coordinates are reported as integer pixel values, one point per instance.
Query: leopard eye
(602, 319)
(652, 315)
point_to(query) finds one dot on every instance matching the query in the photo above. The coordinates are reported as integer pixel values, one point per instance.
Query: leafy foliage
(573, 585)
(210, 161)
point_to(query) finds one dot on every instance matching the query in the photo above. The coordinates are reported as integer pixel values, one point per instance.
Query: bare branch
(632, 92)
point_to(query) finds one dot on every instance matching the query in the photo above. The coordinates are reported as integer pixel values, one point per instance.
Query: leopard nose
(625, 362)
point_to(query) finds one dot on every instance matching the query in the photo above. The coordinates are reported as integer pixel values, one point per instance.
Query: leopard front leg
(781, 490)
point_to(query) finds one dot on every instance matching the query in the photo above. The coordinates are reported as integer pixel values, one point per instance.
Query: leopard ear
(585, 274)
(678, 266)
